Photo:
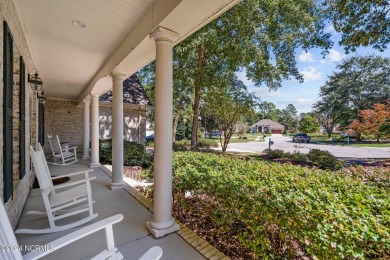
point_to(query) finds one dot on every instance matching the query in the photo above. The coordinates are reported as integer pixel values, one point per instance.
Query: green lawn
(250, 137)
(325, 140)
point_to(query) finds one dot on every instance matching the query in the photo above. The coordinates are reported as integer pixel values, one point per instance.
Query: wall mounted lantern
(41, 97)
(35, 82)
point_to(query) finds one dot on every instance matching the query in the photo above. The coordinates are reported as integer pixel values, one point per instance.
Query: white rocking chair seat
(7, 237)
(61, 201)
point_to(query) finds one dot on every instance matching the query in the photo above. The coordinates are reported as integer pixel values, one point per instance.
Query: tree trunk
(175, 123)
(198, 81)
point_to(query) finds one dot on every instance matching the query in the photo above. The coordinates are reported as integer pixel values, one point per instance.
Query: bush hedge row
(133, 153)
(322, 159)
(185, 145)
(332, 215)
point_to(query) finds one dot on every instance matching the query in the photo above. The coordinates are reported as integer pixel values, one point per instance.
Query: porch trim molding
(162, 222)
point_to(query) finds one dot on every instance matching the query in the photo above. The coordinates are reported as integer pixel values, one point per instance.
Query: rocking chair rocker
(63, 200)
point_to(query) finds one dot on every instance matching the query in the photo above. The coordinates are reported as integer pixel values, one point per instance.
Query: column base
(157, 233)
(86, 157)
(94, 165)
(117, 186)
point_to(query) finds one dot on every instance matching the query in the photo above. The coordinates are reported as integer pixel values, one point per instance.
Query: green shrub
(185, 145)
(182, 145)
(105, 151)
(375, 176)
(133, 154)
(324, 159)
(275, 153)
(206, 143)
(296, 157)
(331, 215)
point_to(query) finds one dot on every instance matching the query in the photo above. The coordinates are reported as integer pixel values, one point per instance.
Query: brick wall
(21, 187)
(65, 119)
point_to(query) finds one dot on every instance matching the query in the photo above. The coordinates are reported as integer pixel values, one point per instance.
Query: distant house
(267, 125)
(135, 105)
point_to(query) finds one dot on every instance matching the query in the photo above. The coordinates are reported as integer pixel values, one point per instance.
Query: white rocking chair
(8, 239)
(61, 201)
(62, 154)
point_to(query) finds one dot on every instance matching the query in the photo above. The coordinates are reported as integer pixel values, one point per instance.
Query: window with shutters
(7, 113)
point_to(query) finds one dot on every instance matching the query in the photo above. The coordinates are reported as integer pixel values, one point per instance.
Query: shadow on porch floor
(131, 235)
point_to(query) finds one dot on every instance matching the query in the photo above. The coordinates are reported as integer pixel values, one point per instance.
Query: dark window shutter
(7, 112)
(22, 106)
(41, 124)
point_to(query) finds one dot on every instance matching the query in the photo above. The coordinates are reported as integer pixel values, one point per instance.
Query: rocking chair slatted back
(61, 154)
(41, 169)
(55, 144)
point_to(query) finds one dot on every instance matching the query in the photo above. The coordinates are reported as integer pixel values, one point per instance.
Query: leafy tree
(361, 22)
(228, 103)
(371, 120)
(289, 118)
(147, 78)
(241, 129)
(358, 85)
(260, 35)
(308, 124)
(385, 128)
(268, 110)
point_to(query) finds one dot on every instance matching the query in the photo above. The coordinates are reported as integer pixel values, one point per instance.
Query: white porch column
(117, 131)
(95, 131)
(162, 222)
(86, 129)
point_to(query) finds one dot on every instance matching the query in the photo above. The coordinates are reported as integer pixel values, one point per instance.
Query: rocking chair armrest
(67, 184)
(76, 235)
(71, 174)
(68, 148)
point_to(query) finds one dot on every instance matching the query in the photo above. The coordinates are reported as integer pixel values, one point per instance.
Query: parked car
(216, 133)
(301, 138)
(150, 138)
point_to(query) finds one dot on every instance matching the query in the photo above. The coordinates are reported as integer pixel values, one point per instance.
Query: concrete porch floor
(131, 236)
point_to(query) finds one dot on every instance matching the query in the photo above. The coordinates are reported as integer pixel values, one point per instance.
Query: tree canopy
(360, 22)
(229, 103)
(372, 121)
(359, 83)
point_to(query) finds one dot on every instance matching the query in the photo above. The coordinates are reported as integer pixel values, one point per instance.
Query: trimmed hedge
(185, 145)
(330, 214)
(322, 159)
(133, 153)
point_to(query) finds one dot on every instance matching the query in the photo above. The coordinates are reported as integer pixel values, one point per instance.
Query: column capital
(95, 95)
(164, 34)
(115, 75)
(87, 99)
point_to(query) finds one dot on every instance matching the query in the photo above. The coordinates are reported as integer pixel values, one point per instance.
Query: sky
(315, 70)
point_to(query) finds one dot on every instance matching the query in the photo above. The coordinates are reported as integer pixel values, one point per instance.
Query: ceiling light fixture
(79, 24)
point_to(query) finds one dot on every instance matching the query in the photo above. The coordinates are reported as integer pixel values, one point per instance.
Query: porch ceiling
(71, 61)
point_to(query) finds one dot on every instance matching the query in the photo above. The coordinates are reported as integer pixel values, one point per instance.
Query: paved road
(285, 143)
